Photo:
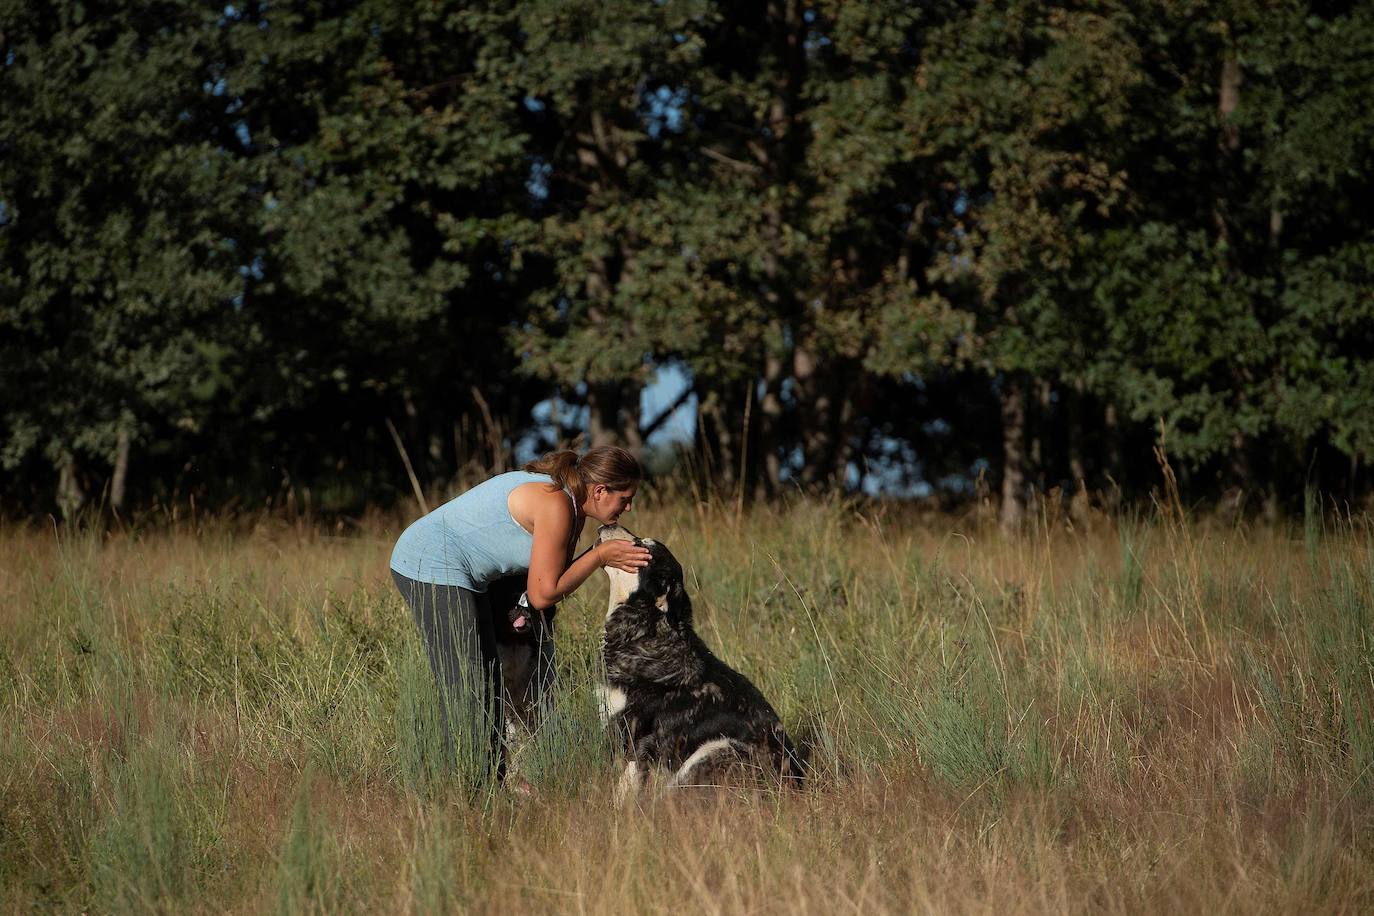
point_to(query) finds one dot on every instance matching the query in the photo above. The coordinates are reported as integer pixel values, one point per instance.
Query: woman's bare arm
(552, 577)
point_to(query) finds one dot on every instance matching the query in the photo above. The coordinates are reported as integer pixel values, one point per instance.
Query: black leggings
(460, 640)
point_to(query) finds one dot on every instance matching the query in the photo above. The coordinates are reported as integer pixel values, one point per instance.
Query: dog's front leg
(610, 703)
(629, 783)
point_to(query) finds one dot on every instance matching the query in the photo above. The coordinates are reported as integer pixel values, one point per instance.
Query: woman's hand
(626, 556)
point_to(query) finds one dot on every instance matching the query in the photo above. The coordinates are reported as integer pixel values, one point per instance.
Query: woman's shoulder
(539, 488)
(521, 477)
(510, 480)
(492, 491)
(536, 499)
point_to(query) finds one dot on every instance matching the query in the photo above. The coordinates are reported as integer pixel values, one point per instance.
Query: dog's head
(659, 584)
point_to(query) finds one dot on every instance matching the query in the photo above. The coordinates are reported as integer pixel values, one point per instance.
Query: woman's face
(607, 505)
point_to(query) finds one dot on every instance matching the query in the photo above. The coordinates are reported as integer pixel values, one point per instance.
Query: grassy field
(1147, 716)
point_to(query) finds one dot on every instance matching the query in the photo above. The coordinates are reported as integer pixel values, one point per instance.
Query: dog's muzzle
(622, 583)
(613, 533)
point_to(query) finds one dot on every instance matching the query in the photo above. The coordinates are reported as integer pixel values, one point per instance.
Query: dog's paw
(627, 787)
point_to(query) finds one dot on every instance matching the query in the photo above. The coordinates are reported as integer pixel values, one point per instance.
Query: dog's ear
(675, 603)
(649, 588)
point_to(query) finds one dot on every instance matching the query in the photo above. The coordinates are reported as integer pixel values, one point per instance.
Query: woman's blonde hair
(607, 465)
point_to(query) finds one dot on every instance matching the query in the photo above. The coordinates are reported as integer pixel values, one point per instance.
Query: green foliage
(114, 262)
(1073, 689)
(428, 759)
(237, 242)
(310, 874)
(156, 844)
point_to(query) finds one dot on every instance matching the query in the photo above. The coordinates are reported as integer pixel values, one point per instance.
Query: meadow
(1150, 714)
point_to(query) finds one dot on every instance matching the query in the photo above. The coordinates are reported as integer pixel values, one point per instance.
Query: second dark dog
(527, 657)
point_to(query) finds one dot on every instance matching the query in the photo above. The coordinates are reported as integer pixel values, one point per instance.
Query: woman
(522, 523)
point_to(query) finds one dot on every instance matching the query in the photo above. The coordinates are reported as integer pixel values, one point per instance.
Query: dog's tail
(794, 756)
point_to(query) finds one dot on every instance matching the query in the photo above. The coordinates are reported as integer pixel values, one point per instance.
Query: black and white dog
(672, 703)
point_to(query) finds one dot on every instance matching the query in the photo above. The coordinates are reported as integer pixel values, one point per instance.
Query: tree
(600, 84)
(1020, 106)
(1241, 290)
(115, 271)
(387, 158)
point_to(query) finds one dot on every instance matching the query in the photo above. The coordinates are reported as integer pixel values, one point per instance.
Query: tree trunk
(848, 416)
(71, 496)
(776, 158)
(718, 442)
(1242, 476)
(1039, 429)
(1013, 453)
(813, 409)
(1228, 142)
(628, 419)
(1078, 470)
(1268, 461)
(1111, 436)
(121, 469)
(825, 395)
(614, 410)
(767, 446)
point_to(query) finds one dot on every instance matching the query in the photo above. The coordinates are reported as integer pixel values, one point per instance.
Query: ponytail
(607, 465)
(562, 467)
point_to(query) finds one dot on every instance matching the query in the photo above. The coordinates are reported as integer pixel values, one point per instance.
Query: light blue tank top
(469, 540)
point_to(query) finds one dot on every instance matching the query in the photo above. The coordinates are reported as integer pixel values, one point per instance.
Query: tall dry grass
(1152, 715)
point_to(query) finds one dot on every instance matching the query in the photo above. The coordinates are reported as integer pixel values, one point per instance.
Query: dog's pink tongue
(520, 622)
